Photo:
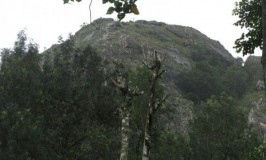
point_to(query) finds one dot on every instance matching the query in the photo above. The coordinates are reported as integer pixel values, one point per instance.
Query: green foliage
(110, 10)
(204, 80)
(200, 83)
(235, 81)
(81, 106)
(20, 44)
(19, 93)
(220, 131)
(209, 72)
(258, 153)
(249, 13)
(170, 146)
(56, 106)
(121, 7)
(58, 110)
(140, 78)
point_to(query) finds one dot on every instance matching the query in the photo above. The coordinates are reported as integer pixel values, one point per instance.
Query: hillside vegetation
(73, 101)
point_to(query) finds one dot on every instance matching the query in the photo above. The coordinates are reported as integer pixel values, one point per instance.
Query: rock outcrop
(132, 41)
(257, 117)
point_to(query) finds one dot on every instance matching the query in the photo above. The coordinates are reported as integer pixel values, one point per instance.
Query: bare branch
(160, 74)
(90, 10)
(159, 102)
(120, 85)
(146, 65)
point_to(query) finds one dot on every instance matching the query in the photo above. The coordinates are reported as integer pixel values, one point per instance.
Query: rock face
(132, 41)
(260, 85)
(257, 117)
(251, 60)
(254, 67)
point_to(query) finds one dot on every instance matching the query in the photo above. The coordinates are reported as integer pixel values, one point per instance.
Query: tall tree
(252, 16)
(20, 95)
(128, 94)
(78, 110)
(249, 13)
(155, 102)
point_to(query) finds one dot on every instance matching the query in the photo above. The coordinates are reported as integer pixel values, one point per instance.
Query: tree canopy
(249, 13)
(252, 16)
(220, 131)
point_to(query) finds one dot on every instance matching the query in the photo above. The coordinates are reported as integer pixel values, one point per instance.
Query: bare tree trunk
(128, 94)
(124, 135)
(154, 103)
(147, 137)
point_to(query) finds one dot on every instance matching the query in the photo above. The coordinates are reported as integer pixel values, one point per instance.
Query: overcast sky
(45, 20)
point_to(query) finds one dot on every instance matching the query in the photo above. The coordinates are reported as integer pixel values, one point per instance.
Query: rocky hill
(182, 47)
(132, 41)
(76, 102)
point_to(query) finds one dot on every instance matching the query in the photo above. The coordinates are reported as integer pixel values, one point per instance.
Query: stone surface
(260, 85)
(131, 42)
(257, 118)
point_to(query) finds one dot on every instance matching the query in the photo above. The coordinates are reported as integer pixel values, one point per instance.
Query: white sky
(45, 20)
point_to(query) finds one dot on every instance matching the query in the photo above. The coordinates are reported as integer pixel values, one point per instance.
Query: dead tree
(128, 94)
(154, 102)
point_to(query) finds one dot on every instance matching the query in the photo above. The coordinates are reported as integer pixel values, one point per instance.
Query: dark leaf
(134, 9)
(120, 16)
(119, 10)
(110, 10)
(105, 1)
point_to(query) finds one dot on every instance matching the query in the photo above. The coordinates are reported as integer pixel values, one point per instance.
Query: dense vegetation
(62, 105)
(55, 109)
(212, 76)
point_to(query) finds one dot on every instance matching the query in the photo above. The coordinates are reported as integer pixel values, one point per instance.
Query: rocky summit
(181, 47)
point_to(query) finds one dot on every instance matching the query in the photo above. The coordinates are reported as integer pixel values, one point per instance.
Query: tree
(235, 80)
(78, 110)
(121, 7)
(128, 94)
(201, 82)
(20, 94)
(55, 106)
(170, 146)
(252, 16)
(155, 102)
(220, 131)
